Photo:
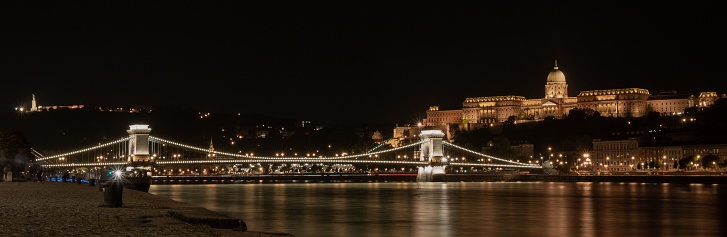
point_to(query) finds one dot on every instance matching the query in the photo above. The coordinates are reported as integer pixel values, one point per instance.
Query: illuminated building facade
(615, 155)
(35, 107)
(479, 112)
(623, 155)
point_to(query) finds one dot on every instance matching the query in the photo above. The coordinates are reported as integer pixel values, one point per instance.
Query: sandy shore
(69, 209)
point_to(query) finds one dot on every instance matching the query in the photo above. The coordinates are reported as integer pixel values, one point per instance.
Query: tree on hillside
(510, 120)
(500, 147)
(525, 116)
(579, 113)
(714, 116)
(14, 152)
(473, 140)
(653, 114)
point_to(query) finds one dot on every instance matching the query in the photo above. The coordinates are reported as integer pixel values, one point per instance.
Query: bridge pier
(432, 151)
(431, 174)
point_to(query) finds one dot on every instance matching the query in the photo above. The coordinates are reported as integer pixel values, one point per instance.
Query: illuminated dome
(556, 76)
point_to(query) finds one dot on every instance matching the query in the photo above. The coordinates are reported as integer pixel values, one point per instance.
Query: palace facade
(479, 112)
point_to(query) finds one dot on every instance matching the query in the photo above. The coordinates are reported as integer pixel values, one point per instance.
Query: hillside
(54, 132)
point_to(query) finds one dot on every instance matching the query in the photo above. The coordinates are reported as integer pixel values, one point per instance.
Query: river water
(465, 208)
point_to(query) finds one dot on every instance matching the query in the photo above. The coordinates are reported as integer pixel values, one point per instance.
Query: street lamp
(607, 162)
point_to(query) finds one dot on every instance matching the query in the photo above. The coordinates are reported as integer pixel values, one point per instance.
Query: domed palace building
(478, 112)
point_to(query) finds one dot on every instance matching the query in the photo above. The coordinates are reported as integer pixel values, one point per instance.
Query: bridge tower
(139, 143)
(432, 151)
(139, 160)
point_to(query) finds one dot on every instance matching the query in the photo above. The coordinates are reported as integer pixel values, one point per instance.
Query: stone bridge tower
(432, 150)
(139, 143)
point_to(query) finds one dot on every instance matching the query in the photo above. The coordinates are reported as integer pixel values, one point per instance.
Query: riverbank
(634, 177)
(643, 177)
(52, 209)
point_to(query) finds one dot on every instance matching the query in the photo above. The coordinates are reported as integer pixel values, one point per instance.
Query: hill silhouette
(60, 131)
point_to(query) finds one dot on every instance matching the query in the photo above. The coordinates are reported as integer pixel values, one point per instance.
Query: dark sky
(349, 61)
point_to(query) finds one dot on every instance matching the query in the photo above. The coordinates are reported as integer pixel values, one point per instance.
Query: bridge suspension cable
(91, 157)
(84, 150)
(36, 153)
(160, 140)
(379, 146)
(488, 156)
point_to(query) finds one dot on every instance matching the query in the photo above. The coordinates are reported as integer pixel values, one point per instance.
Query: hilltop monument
(33, 104)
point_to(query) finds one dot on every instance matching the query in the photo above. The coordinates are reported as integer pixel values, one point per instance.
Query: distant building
(408, 134)
(477, 112)
(525, 151)
(405, 134)
(58, 107)
(377, 138)
(262, 133)
(35, 107)
(614, 155)
(671, 103)
(522, 151)
(630, 152)
(707, 99)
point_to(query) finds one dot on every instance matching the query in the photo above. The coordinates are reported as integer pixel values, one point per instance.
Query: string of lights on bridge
(380, 145)
(255, 159)
(528, 166)
(84, 150)
(289, 160)
(491, 157)
(36, 153)
(87, 164)
(259, 158)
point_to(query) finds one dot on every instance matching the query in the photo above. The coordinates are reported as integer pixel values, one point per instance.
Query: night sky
(349, 61)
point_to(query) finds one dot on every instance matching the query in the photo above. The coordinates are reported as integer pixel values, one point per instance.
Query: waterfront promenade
(70, 209)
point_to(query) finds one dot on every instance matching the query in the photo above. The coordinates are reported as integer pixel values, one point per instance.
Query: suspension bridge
(143, 155)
